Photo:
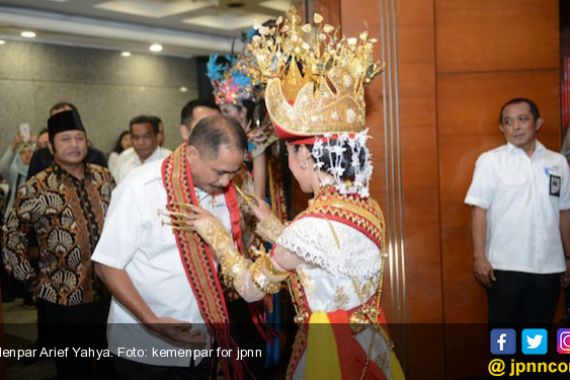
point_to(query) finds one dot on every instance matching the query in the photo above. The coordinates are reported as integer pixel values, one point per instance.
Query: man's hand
(483, 271)
(177, 330)
(120, 285)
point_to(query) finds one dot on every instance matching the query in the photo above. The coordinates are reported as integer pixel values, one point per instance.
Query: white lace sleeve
(312, 239)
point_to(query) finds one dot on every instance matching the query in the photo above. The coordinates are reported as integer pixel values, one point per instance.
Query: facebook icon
(503, 341)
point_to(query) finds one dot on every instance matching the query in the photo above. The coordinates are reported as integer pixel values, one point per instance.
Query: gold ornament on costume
(315, 76)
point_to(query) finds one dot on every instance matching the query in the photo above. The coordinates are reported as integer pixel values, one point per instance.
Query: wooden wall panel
(469, 103)
(496, 35)
(416, 69)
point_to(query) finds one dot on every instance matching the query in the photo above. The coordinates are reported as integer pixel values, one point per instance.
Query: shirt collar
(150, 158)
(62, 173)
(207, 197)
(200, 194)
(538, 147)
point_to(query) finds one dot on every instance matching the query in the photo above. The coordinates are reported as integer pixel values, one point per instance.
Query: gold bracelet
(268, 265)
(232, 267)
(261, 280)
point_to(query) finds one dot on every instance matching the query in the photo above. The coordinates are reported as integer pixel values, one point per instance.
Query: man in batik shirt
(65, 205)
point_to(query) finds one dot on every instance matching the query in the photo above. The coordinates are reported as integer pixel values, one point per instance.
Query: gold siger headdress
(314, 77)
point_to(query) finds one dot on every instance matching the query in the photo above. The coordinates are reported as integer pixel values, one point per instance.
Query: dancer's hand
(257, 136)
(211, 230)
(261, 209)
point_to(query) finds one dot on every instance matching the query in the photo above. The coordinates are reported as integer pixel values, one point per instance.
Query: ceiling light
(28, 34)
(155, 48)
(2, 42)
(125, 54)
(183, 89)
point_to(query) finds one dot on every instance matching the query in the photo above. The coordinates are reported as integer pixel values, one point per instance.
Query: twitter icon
(534, 341)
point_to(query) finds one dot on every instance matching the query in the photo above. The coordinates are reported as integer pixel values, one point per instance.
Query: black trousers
(246, 336)
(81, 327)
(129, 370)
(518, 298)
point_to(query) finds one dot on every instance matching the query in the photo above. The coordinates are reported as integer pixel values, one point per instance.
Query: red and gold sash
(197, 257)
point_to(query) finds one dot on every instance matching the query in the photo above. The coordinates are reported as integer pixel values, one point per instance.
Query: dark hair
(62, 105)
(157, 119)
(329, 157)
(533, 108)
(42, 131)
(187, 112)
(250, 107)
(118, 147)
(212, 132)
(144, 119)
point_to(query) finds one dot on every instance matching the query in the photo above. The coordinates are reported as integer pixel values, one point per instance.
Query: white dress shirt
(112, 162)
(129, 160)
(134, 239)
(523, 218)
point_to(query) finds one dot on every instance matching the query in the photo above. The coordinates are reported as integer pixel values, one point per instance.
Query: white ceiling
(184, 27)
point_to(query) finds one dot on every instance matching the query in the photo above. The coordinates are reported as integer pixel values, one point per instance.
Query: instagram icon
(563, 341)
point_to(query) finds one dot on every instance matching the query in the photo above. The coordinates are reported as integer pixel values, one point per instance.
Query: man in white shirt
(520, 218)
(144, 132)
(166, 292)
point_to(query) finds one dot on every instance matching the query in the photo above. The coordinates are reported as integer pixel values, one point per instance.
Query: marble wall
(107, 89)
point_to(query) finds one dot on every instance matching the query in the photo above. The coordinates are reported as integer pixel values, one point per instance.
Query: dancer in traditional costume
(331, 255)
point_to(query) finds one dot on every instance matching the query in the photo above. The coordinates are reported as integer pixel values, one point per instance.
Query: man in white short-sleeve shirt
(520, 198)
(161, 297)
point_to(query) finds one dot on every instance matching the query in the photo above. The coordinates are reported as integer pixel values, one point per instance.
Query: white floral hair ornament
(336, 147)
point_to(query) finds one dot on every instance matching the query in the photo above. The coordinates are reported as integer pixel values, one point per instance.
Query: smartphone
(24, 129)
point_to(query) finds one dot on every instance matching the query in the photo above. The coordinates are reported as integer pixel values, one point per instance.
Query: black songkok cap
(64, 121)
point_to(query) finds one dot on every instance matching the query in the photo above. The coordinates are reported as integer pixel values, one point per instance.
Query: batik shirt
(67, 215)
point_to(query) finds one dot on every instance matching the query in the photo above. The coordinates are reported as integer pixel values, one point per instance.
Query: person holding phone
(15, 163)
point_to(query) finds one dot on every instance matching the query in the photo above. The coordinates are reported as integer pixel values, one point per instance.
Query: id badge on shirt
(555, 182)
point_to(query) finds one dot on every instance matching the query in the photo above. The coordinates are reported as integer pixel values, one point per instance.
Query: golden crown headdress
(314, 77)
